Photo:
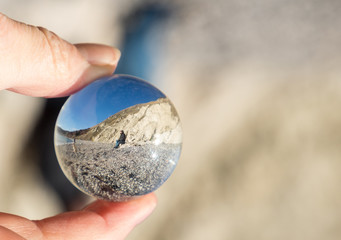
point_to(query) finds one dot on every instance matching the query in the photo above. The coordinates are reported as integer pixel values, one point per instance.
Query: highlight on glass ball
(118, 138)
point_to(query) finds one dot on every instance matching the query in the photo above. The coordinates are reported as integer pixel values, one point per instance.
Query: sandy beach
(117, 174)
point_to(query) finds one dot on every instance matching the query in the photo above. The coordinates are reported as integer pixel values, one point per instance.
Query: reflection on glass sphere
(118, 138)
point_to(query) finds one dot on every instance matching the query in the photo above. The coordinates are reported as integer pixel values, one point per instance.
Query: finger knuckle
(58, 54)
(4, 25)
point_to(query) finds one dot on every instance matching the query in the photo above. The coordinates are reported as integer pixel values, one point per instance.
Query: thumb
(36, 62)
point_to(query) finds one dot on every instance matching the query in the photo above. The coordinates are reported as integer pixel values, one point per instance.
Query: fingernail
(96, 71)
(99, 55)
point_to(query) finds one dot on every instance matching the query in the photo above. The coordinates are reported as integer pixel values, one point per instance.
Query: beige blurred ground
(258, 88)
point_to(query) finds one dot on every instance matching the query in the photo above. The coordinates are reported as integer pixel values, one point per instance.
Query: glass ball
(118, 138)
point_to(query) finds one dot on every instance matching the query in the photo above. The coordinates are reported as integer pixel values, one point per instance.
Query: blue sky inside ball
(104, 98)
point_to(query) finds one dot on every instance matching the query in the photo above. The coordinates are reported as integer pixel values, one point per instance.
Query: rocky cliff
(155, 121)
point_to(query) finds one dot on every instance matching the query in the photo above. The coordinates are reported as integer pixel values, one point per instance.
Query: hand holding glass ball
(31, 68)
(118, 138)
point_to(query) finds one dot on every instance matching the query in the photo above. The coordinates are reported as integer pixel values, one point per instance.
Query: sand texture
(117, 174)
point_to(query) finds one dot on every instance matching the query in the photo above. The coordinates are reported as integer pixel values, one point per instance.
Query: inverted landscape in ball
(118, 138)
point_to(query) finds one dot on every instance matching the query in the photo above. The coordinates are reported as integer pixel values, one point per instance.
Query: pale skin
(36, 62)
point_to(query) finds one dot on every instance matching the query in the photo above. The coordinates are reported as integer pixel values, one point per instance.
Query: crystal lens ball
(118, 138)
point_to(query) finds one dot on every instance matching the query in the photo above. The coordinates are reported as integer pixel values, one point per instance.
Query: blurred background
(257, 85)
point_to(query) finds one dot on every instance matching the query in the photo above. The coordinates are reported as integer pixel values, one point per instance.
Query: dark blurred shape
(48, 163)
(138, 55)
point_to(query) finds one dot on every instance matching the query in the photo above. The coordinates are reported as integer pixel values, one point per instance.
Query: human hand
(36, 62)
(100, 220)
